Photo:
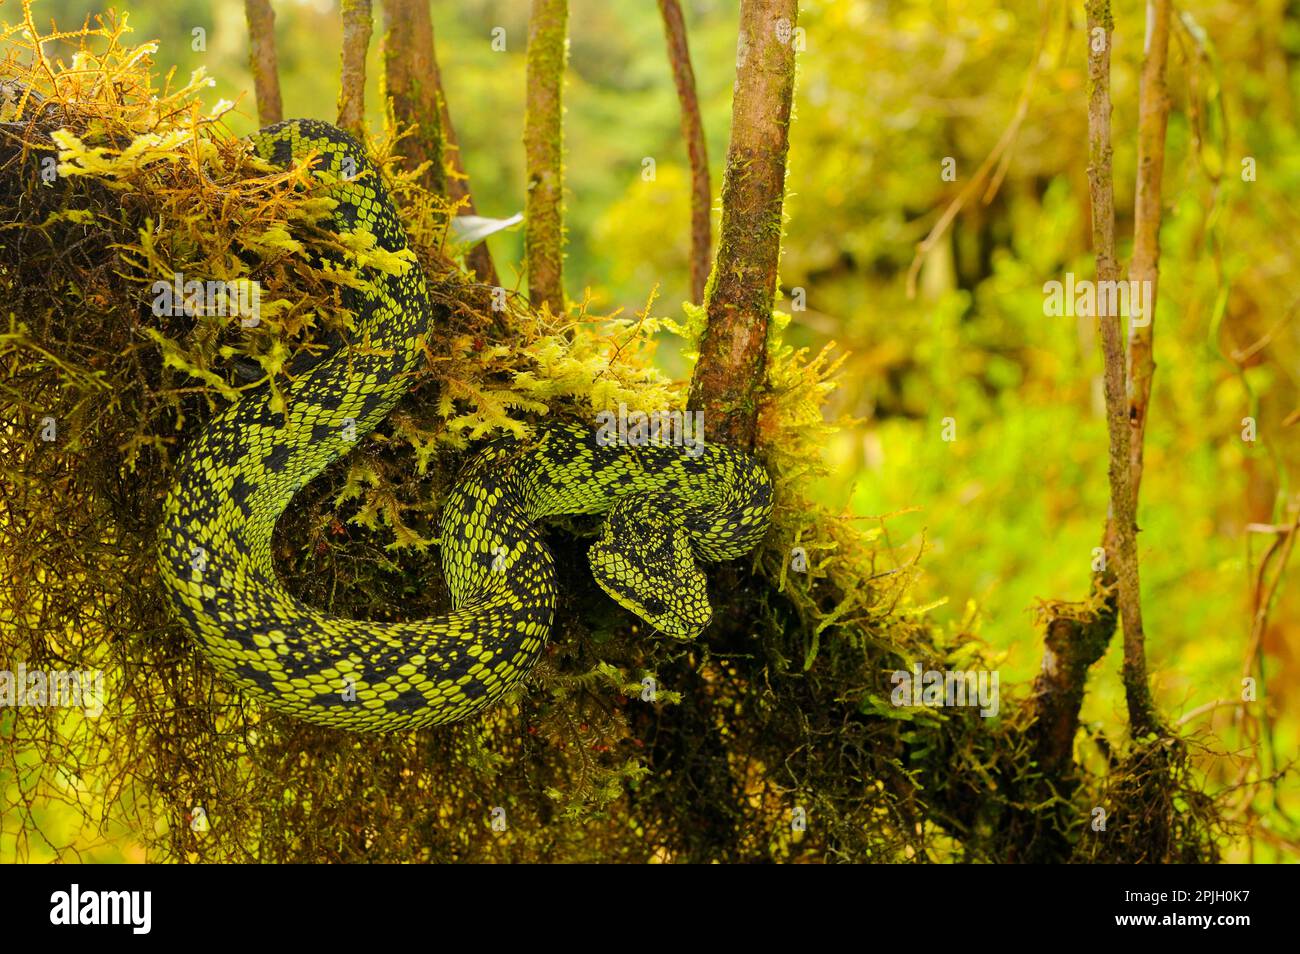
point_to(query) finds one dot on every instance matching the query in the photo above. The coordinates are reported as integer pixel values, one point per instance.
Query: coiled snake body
(664, 508)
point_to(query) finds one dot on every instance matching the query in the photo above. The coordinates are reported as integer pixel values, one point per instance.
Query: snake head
(645, 562)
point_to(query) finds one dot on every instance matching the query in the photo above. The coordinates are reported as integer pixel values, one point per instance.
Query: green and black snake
(665, 507)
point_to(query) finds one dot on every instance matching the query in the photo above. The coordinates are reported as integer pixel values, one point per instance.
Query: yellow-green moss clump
(771, 738)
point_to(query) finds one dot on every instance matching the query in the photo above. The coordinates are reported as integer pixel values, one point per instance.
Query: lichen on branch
(742, 287)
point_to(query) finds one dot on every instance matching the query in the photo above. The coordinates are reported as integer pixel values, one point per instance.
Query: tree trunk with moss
(742, 288)
(731, 371)
(679, 55)
(544, 154)
(408, 83)
(357, 28)
(262, 60)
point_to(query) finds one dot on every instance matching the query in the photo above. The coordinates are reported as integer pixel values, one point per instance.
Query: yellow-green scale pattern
(666, 507)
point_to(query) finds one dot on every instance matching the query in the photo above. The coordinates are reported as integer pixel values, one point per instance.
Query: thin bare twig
(1153, 118)
(1122, 539)
(479, 257)
(679, 55)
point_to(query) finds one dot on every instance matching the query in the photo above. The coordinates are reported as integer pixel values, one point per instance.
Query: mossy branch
(408, 66)
(742, 287)
(544, 154)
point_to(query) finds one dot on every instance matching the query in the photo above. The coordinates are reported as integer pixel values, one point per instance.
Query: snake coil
(665, 507)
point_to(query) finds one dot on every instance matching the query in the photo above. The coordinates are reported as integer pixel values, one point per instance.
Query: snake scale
(664, 508)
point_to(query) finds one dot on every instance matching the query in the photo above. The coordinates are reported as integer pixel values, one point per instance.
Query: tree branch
(1153, 118)
(357, 29)
(1077, 634)
(679, 55)
(741, 290)
(408, 55)
(543, 153)
(1122, 538)
(479, 258)
(262, 61)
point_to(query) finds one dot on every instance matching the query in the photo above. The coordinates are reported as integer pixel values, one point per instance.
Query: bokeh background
(1009, 512)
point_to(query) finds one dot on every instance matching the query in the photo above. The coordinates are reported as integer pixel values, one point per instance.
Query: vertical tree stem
(1122, 541)
(742, 287)
(543, 154)
(1153, 118)
(479, 258)
(679, 56)
(408, 59)
(357, 28)
(262, 61)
